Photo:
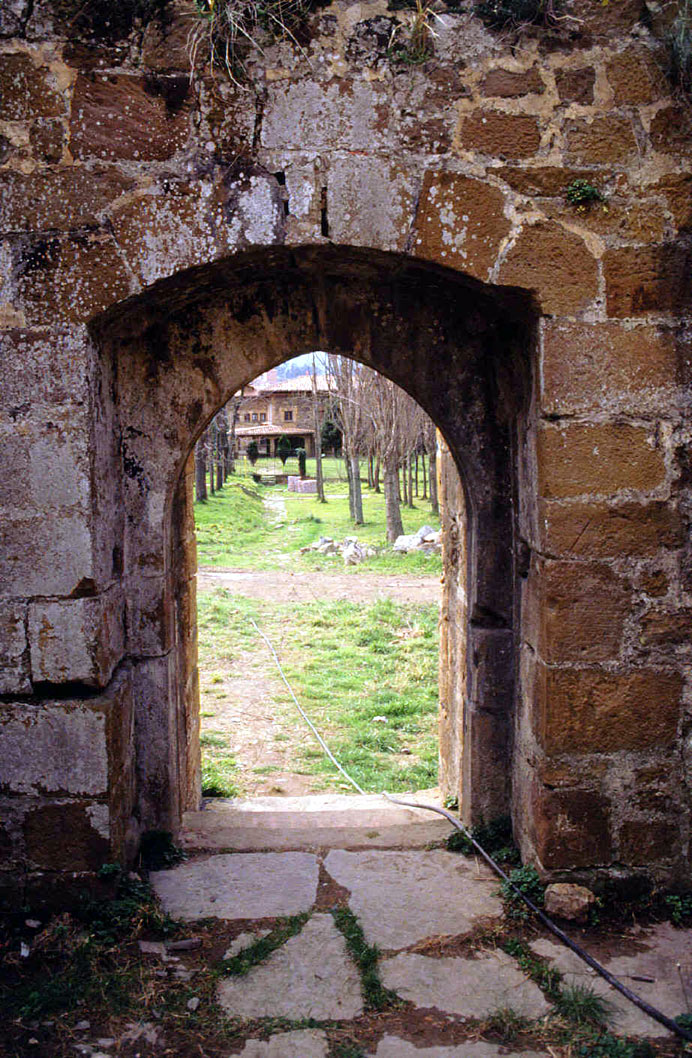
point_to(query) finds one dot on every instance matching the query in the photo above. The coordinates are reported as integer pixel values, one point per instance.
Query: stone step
(338, 821)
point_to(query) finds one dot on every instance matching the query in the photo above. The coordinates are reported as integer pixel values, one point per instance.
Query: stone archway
(462, 351)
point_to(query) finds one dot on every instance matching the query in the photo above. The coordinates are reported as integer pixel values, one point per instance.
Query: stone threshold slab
(314, 821)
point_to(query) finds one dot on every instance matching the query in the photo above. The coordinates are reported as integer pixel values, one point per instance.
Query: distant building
(271, 408)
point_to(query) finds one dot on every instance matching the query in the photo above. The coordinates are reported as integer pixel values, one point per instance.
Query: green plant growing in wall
(302, 456)
(582, 195)
(229, 29)
(252, 452)
(418, 47)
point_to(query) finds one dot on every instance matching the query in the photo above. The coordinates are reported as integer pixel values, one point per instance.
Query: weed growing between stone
(581, 1005)
(582, 194)
(241, 964)
(495, 837)
(229, 29)
(528, 881)
(375, 995)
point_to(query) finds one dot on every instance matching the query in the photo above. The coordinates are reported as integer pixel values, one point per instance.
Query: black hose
(652, 1012)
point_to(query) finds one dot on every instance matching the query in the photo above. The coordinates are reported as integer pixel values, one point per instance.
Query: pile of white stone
(303, 485)
(350, 548)
(426, 539)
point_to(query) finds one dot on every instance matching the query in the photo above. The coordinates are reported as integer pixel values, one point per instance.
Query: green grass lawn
(365, 674)
(235, 528)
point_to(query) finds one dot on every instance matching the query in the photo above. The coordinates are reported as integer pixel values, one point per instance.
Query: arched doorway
(175, 356)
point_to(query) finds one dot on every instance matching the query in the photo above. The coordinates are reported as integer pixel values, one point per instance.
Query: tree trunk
(376, 477)
(200, 471)
(425, 476)
(209, 440)
(403, 495)
(357, 494)
(409, 462)
(317, 426)
(416, 475)
(234, 419)
(349, 478)
(371, 473)
(432, 474)
(392, 506)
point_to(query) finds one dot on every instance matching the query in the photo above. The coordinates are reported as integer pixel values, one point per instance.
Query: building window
(254, 416)
(288, 416)
(263, 416)
(246, 417)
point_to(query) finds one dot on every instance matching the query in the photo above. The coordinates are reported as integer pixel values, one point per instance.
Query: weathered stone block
(39, 370)
(149, 617)
(600, 459)
(83, 272)
(647, 279)
(231, 114)
(385, 199)
(541, 181)
(45, 556)
(182, 230)
(591, 711)
(636, 77)
(608, 367)
(76, 640)
(498, 134)
(344, 114)
(663, 628)
(166, 41)
(59, 201)
(643, 842)
(677, 191)
(556, 264)
(576, 611)
(571, 828)
(14, 668)
(510, 84)
(460, 222)
(115, 116)
(27, 89)
(47, 138)
(576, 86)
(670, 130)
(597, 530)
(600, 141)
(67, 836)
(54, 747)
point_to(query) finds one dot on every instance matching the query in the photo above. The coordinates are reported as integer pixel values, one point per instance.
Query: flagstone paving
(470, 987)
(393, 1047)
(433, 917)
(310, 976)
(656, 965)
(402, 898)
(245, 885)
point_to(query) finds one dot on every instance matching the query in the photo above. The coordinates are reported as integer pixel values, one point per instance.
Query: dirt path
(282, 586)
(244, 700)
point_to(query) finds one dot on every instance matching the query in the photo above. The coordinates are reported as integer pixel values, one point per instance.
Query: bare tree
(317, 421)
(201, 469)
(345, 379)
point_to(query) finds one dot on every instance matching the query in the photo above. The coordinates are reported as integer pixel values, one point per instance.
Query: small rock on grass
(186, 944)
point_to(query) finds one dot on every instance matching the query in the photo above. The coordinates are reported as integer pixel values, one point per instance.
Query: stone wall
(163, 242)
